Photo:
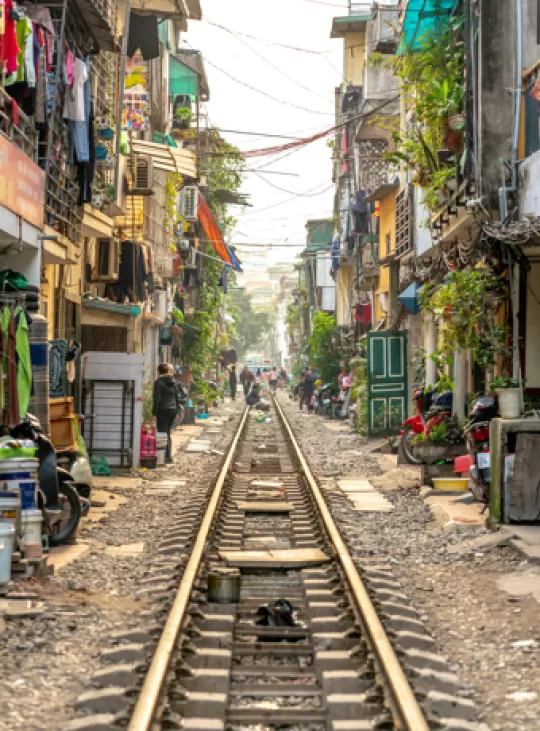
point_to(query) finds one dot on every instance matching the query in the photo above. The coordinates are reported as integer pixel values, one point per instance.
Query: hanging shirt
(29, 59)
(24, 33)
(9, 47)
(74, 100)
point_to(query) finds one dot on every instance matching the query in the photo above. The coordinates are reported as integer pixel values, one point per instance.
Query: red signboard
(22, 188)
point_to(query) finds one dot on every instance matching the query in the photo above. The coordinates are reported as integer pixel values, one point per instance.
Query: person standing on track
(232, 381)
(273, 379)
(246, 379)
(165, 406)
(309, 388)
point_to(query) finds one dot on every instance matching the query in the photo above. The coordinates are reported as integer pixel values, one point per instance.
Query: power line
(276, 68)
(259, 134)
(307, 194)
(264, 40)
(264, 93)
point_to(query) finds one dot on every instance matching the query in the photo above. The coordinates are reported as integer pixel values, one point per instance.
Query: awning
(172, 9)
(381, 192)
(422, 19)
(185, 67)
(169, 159)
(108, 306)
(211, 229)
(409, 298)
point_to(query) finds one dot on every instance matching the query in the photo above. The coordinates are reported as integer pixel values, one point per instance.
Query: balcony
(23, 134)
(101, 17)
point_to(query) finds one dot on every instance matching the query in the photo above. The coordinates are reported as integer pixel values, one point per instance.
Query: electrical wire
(276, 68)
(283, 190)
(264, 93)
(307, 194)
(264, 40)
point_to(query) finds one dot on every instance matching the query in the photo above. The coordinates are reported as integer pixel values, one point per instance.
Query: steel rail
(402, 696)
(143, 715)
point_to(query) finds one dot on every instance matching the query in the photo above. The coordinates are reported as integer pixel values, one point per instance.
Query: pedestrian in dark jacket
(309, 388)
(165, 404)
(246, 379)
(232, 381)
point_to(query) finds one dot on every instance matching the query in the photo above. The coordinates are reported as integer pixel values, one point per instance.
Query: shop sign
(22, 184)
(136, 108)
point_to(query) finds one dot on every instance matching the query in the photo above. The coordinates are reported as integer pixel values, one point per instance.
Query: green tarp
(182, 80)
(423, 18)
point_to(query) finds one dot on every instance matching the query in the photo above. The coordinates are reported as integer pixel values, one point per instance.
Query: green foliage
(466, 305)
(432, 85)
(223, 165)
(250, 325)
(148, 403)
(323, 354)
(502, 383)
(360, 394)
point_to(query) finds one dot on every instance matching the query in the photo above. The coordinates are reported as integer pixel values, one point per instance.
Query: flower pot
(431, 453)
(509, 402)
(452, 138)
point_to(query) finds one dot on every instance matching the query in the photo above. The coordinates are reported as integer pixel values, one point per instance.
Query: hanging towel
(24, 365)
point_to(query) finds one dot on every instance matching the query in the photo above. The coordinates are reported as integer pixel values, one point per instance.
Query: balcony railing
(23, 134)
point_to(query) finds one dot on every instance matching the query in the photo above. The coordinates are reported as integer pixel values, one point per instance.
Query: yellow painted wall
(47, 296)
(387, 226)
(344, 288)
(354, 56)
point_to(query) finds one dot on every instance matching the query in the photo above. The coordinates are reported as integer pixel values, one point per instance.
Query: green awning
(182, 80)
(422, 19)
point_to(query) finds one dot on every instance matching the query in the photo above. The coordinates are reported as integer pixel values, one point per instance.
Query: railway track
(271, 625)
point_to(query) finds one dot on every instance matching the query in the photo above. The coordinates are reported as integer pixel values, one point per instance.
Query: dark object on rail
(277, 614)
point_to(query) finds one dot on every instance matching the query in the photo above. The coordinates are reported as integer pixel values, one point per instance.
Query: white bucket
(509, 403)
(31, 523)
(9, 508)
(161, 447)
(20, 475)
(7, 538)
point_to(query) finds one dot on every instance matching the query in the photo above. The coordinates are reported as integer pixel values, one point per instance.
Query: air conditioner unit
(190, 258)
(189, 202)
(142, 178)
(107, 261)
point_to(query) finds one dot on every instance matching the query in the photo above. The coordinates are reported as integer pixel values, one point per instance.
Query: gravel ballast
(48, 660)
(491, 639)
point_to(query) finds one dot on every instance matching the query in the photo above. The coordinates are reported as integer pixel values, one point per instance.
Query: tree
(250, 325)
(323, 353)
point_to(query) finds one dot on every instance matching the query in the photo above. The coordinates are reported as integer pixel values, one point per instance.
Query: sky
(303, 85)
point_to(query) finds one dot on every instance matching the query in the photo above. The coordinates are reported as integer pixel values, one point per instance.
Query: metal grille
(103, 69)
(403, 222)
(62, 191)
(373, 168)
(108, 420)
(22, 134)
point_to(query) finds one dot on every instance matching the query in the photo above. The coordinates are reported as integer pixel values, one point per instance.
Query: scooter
(431, 409)
(325, 400)
(476, 431)
(58, 500)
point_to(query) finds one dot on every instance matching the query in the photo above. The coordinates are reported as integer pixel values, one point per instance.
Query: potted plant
(509, 396)
(182, 118)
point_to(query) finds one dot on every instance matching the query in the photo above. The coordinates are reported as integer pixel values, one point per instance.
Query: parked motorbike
(58, 499)
(476, 431)
(432, 409)
(325, 398)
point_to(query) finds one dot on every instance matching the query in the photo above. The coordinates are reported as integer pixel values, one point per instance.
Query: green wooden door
(387, 381)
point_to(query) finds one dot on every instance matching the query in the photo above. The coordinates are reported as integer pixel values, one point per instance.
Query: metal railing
(23, 133)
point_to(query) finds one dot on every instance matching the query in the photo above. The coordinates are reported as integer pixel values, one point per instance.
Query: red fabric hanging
(211, 229)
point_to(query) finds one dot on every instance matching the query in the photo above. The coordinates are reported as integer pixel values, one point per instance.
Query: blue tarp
(235, 261)
(422, 19)
(409, 298)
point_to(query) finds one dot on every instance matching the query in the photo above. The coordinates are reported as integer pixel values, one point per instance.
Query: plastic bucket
(161, 447)
(20, 475)
(9, 508)
(31, 522)
(7, 538)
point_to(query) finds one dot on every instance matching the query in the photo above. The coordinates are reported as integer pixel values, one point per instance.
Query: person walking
(273, 379)
(246, 379)
(232, 381)
(165, 406)
(309, 388)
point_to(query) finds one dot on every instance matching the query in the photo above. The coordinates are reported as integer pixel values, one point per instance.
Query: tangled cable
(517, 233)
